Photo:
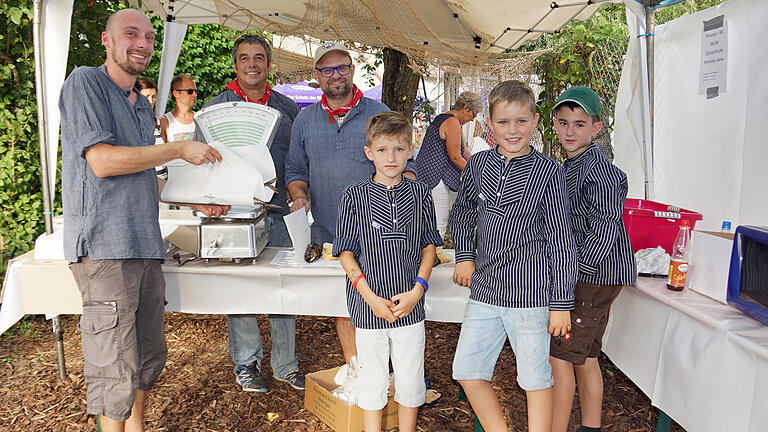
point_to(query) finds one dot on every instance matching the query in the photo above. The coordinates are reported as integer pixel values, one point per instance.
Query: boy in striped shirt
(385, 239)
(596, 190)
(522, 272)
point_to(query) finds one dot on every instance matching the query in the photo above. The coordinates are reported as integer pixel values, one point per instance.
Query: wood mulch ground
(197, 390)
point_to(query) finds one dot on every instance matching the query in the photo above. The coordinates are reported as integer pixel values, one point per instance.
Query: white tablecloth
(703, 363)
(47, 287)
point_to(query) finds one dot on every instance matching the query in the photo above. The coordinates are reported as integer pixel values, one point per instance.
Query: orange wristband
(357, 279)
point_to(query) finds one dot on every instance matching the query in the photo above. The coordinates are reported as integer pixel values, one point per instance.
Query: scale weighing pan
(246, 128)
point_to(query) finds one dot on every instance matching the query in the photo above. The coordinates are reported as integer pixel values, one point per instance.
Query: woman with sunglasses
(179, 124)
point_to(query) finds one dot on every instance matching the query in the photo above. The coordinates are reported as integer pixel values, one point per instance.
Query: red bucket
(652, 224)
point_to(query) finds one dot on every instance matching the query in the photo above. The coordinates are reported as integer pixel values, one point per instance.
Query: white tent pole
(41, 131)
(650, 29)
(173, 37)
(41, 115)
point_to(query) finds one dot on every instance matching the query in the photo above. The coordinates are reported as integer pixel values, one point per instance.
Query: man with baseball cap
(326, 153)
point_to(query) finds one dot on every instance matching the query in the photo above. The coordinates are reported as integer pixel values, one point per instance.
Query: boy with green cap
(596, 192)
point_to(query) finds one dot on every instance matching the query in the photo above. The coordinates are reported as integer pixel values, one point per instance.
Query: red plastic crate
(652, 224)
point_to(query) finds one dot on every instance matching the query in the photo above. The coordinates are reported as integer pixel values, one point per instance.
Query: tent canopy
(459, 31)
(434, 31)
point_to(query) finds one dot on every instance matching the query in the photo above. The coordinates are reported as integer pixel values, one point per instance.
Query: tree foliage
(20, 196)
(572, 60)
(206, 55)
(21, 208)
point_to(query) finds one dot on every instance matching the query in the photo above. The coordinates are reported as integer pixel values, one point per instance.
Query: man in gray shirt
(111, 231)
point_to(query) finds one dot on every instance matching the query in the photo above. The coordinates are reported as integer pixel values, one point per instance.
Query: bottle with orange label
(678, 262)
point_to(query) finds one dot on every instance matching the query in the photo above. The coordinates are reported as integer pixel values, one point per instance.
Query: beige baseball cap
(327, 47)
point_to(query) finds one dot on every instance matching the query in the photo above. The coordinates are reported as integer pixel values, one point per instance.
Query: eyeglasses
(327, 72)
(189, 91)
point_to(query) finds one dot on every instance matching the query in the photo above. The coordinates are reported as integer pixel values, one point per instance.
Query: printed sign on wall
(714, 57)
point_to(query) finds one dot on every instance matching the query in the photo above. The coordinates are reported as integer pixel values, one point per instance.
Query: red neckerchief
(343, 110)
(235, 87)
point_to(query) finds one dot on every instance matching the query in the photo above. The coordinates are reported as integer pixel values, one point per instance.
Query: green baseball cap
(585, 97)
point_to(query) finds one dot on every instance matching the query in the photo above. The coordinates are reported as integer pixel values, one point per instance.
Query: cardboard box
(335, 413)
(710, 263)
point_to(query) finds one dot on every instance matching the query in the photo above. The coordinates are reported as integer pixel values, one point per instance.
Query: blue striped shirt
(386, 227)
(597, 190)
(526, 254)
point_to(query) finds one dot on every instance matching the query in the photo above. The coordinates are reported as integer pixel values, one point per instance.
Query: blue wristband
(422, 281)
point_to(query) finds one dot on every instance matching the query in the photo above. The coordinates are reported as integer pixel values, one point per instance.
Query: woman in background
(148, 88)
(444, 154)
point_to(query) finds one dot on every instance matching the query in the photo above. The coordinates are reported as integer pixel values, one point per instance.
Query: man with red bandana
(251, 61)
(326, 154)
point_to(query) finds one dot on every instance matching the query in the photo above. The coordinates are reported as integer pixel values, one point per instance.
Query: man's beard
(126, 64)
(331, 93)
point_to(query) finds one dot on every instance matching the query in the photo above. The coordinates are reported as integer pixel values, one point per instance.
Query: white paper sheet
(233, 181)
(288, 258)
(297, 224)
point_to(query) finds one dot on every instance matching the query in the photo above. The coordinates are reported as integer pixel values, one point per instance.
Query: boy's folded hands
(382, 308)
(403, 303)
(559, 323)
(400, 306)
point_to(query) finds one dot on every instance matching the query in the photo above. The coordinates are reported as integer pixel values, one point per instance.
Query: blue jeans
(245, 345)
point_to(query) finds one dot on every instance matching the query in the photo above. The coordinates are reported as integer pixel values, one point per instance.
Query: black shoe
(249, 377)
(295, 379)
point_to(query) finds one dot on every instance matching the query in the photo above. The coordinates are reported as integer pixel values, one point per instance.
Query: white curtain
(56, 22)
(631, 125)
(711, 153)
(173, 37)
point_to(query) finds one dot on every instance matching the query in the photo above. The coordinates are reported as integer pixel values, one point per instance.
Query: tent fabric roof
(428, 31)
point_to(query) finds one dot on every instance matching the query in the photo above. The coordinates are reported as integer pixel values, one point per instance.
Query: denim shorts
(404, 346)
(482, 336)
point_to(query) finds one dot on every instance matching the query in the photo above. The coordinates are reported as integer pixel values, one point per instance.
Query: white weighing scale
(246, 177)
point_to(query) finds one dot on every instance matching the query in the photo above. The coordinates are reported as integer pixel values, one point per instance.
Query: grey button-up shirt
(113, 217)
(330, 158)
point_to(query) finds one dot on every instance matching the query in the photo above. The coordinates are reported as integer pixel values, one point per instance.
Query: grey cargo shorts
(122, 331)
